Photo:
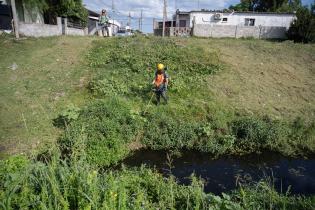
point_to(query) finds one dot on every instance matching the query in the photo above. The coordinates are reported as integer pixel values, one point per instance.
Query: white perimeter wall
(276, 20)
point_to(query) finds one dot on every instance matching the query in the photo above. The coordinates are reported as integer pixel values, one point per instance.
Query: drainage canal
(222, 175)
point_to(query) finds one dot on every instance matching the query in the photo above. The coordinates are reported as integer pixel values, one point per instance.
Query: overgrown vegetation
(102, 132)
(76, 185)
(302, 29)
(120, 112)
(267, 5)
(106, 128)
(72, 9)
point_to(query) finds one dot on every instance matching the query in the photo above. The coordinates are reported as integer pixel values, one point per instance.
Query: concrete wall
(76, 32)
(261, 19)
(273, 32)
(202, 30)
(73, 31)
(44, 30)
(40, 30)
(173, 31)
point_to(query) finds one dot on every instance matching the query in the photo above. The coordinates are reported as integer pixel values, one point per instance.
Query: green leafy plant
(302, 28)
(70, 114)
(72, 9)
(102, 132)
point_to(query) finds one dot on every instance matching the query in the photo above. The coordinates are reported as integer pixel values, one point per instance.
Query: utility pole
(15, 19)
(113, 6)
(129, 19)
(113, 10)
(164, 18)
(139, 27)
(141, 21)
(198, 4)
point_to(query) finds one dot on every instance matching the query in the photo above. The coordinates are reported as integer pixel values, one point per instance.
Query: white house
(206, 23)
(238, 18)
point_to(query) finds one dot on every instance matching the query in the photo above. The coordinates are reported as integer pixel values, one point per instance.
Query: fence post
(65, 21)
(15, 20)
(59, 24)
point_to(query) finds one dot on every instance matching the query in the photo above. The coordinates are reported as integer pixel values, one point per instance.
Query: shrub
(67, 116)
(254, 133)
(302, 28)
(13, 164)
(102, 132)
(218, 145)
(108, 87)
(77, 185)
(166, 133)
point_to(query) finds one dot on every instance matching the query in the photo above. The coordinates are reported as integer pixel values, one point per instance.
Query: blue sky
(154, 8)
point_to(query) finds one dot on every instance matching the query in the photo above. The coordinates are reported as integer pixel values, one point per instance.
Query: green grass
(59, 185)
(253, 77)
(50, 74)
(92, 98)
(194, 118)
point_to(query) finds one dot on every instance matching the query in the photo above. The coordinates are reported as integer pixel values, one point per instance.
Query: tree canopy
(72, 9)
(303, 27)
(267, 5)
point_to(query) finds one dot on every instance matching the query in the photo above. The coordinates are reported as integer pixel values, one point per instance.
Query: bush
(302, 28)
(13, 164)
(165, 133)
(254, 133)
(70, 114)
(77, 185)
(102, 132)
(72, 9)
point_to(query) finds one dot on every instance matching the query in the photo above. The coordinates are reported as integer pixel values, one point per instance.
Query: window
(249, 22)
(182, 23)
(224, 20)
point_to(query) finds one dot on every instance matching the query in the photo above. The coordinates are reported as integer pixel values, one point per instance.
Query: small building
(206, 23)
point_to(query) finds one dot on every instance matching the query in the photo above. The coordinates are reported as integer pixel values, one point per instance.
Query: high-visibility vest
(160, 79)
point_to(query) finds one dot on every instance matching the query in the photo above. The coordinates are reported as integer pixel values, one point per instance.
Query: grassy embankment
(227, 96)
(39, 77)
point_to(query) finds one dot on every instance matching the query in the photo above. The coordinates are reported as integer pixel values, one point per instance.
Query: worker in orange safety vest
(160, 83)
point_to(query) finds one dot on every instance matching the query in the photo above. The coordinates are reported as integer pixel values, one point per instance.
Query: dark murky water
(222, 175)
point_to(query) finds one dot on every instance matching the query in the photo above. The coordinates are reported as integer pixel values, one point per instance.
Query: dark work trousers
(104, 28)
(159, 93)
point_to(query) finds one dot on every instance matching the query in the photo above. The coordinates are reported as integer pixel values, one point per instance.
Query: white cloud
(154, 8)
(151, 8)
